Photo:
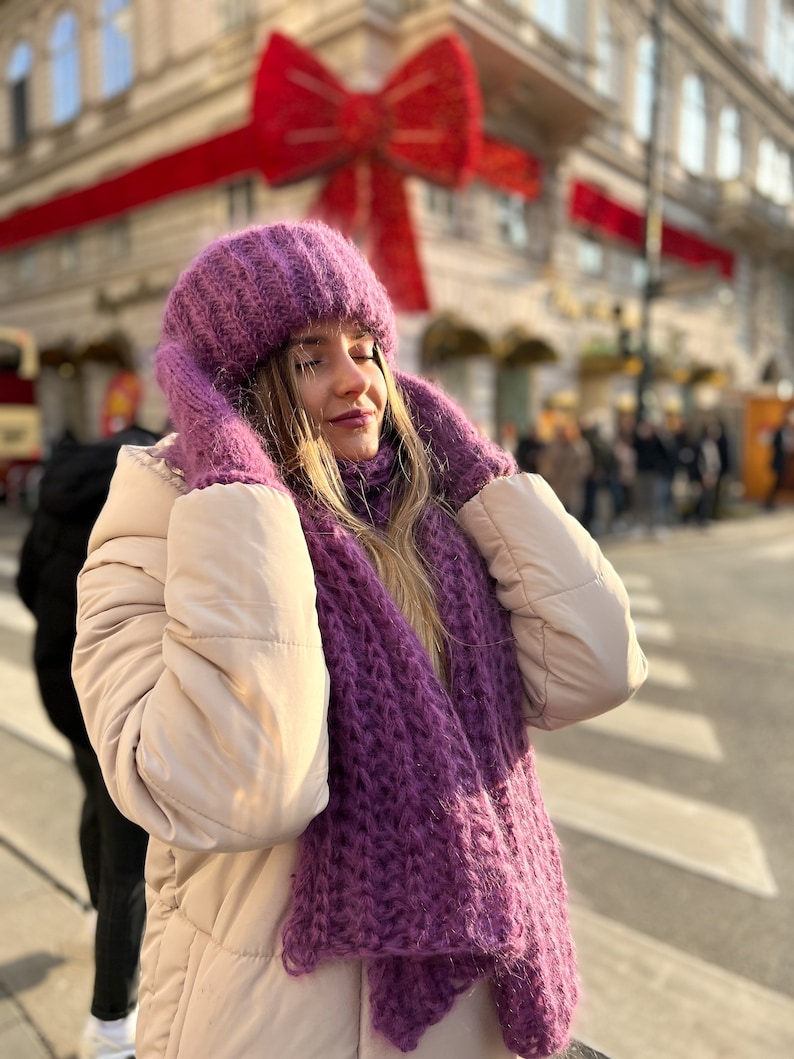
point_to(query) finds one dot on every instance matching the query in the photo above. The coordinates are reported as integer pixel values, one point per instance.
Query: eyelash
(303, 365)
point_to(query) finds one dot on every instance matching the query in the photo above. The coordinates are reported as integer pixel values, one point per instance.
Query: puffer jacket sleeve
(576, 643)
(199, 664)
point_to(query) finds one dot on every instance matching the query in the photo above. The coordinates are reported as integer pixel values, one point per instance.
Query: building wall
(563, 88)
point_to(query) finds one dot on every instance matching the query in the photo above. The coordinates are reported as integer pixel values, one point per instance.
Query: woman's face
(341, 386)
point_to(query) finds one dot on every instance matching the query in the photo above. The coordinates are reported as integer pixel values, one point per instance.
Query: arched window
(729, 145)
(643, 87)
(692, 131)
(18, 73)
(116, 36)
(65, 65)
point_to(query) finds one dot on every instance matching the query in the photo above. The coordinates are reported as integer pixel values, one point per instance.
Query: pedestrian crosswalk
(644, 999)
(699, 837)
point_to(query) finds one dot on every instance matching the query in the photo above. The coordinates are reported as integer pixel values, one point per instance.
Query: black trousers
(113, 850)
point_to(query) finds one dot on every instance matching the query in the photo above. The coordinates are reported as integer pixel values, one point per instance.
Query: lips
(356, 417)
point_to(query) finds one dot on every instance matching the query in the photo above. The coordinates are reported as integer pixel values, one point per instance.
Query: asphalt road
(675, 815)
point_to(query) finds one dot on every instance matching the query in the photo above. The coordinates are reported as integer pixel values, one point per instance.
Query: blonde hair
(308, 464)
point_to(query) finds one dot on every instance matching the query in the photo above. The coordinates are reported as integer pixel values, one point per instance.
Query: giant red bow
(425, 121)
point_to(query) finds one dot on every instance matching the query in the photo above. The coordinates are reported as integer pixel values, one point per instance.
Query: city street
(674, 814)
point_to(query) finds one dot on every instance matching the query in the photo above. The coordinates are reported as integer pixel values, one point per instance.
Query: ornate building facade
(536, 288)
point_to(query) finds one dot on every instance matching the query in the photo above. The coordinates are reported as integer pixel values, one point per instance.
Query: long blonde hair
(308, 464)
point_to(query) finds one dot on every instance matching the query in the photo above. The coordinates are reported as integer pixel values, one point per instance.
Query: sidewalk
(46, 943)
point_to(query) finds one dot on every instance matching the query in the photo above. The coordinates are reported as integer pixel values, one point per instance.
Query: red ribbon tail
(394, 254)
(366, 200)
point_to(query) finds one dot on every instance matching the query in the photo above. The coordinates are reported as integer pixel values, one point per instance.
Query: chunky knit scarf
(435, 861)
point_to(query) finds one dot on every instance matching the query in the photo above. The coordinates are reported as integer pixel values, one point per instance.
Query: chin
(358, 453)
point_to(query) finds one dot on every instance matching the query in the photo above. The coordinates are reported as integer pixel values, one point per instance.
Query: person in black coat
(73, 489)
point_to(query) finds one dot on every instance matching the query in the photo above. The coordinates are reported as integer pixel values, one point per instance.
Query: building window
(779, 44)
(27, 266)
(736, 17)
(773, 177)
(235, 13)
(787, 62)
(68, 253)
(552, 15)
(643, 87)
(512, 220)
(117, 239)
(590, 256)
(605, 79)
(116, 38)
(692, 132)
(729, 145)
(240, 203)
(65, 65)
(18, 79)
(440, 201)
(767, 164)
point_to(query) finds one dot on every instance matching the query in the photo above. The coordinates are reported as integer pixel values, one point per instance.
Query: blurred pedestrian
(708, 463)
(304, 683)
(73, 489)
(528, 451)
(782, 461)
(625, 471)
(565, 462)
(602, 479)
(654, 470)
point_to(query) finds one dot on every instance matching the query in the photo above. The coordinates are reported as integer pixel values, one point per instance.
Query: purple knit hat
(234, 306)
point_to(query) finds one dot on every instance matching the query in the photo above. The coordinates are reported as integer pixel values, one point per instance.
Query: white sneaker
(109, 1040)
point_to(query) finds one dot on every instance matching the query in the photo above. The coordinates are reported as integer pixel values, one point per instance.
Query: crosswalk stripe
(644, 999)
(645, 603)
(669, 674)
(636, 582)
(777, 551)
(661, 727)
(706, 839)
(9, 564)
(14, 616)
(654, 630)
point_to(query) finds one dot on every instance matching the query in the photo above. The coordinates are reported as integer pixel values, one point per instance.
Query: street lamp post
(652, 244)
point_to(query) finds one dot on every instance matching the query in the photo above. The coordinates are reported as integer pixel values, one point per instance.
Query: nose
(349, 375)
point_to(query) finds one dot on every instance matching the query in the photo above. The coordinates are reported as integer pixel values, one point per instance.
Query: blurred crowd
(632, 476)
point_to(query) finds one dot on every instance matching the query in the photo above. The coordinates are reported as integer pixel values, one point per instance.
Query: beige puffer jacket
(200, 670)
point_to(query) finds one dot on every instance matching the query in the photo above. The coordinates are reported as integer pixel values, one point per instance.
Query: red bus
(20, 416)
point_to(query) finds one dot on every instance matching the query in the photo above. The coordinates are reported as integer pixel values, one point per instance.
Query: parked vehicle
(20, 417)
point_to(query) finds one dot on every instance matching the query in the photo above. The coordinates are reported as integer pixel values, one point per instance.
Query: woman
(312, 629)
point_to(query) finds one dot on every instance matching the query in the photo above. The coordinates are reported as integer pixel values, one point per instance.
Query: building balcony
(534, 84)
(742, 214)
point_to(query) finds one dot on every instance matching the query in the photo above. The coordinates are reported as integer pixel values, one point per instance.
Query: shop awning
(590, 206)
(519, 347)
(448, 336)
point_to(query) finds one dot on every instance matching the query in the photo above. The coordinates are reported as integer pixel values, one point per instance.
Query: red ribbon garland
(592, 206)
(425, 121)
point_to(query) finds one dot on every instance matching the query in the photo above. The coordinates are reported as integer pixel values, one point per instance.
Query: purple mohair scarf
(435, 861)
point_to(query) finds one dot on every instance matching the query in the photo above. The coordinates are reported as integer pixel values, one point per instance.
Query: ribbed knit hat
(243, 296)
(232, 308)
